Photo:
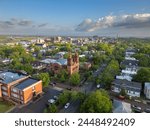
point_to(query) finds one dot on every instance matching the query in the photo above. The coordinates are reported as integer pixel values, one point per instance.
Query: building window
(4, 93)
(15, 95)
(4, 88)
(14, 90)
(21, 98)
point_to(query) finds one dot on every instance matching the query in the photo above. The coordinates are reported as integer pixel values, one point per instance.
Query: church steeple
(69, 60)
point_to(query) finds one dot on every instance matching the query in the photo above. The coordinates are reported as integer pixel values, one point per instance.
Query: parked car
(52, 84)
(136, 108)
(137, 100)
(69, 89)
(51, 101)
(55, 97)
(67, 105)
(147, 110)
(98, 86)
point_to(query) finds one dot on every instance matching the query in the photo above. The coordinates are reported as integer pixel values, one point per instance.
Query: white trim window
(15, 95)
(4, 93)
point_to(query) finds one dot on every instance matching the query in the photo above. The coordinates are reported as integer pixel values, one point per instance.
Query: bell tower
(69, 60)
(73, 63)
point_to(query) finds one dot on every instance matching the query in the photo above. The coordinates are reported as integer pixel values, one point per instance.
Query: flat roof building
(19, 87)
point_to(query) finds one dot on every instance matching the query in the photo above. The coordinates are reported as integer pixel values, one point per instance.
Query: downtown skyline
(127, 18)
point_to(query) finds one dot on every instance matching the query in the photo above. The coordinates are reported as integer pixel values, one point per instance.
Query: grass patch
(5, 106)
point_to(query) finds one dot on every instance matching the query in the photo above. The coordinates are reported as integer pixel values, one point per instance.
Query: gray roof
(134, 86)
(131, 50)
(26, 83)
(130, 63)
(147, 85)
(58, 61)
(62, 61)
(8, 76)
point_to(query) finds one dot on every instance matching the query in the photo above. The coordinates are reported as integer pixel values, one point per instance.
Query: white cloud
(123, 21)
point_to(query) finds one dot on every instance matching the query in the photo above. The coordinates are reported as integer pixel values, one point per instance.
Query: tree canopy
(45, 79)
(75, 79)
(143, 75)
(97, 102)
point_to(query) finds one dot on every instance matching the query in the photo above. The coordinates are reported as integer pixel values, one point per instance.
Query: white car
(98, 86)
(55, 97)
(51, 101)
(67, 105)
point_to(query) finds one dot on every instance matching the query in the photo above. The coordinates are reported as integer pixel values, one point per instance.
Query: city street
(73, 108)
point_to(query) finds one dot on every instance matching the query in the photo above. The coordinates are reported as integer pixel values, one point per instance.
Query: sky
(126, 18)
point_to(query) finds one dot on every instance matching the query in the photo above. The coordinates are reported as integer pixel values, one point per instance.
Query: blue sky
(62, 17)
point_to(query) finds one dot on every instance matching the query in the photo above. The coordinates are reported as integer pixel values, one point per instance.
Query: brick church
(71, 64)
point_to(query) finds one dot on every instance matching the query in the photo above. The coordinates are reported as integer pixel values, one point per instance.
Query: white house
(147, 90)
(132, 89)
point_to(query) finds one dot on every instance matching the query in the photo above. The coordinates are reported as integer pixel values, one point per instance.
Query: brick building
(19, 87)
(71, 64)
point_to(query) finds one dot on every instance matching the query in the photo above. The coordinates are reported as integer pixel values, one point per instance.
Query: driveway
(39, 105)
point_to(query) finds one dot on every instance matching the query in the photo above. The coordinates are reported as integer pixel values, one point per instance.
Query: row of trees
(109, 74)
(143, 75)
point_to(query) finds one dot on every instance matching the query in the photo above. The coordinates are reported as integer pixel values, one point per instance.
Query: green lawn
(5, 106)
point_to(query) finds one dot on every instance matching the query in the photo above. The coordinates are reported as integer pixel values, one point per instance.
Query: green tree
(123, 92)
(109, 74)
(45, 79)
(143, 75)
(144, 60)
(97, 102)
(62, 76)
(51, 109)
(64, 98)
(75, 79)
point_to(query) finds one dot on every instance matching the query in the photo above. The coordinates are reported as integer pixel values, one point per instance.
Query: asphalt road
(73, 108)
(39, 105)
(87, 88)
(99, 70)
(91, 86)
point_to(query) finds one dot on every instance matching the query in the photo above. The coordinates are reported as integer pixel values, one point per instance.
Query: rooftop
(147, 85)
(58, 61)
(127, 84)
(130, 62)
(26, 83)
(8, 77)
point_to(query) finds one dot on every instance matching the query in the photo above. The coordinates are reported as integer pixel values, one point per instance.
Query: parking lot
(39, 105)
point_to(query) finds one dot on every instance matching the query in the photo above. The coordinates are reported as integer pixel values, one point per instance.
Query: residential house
(147, 90)
(131, 67)
(60, 55)
(132, 89)
(5, 61)
(37, 65)
(130, 51)
(42, 45)
(87, 65)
